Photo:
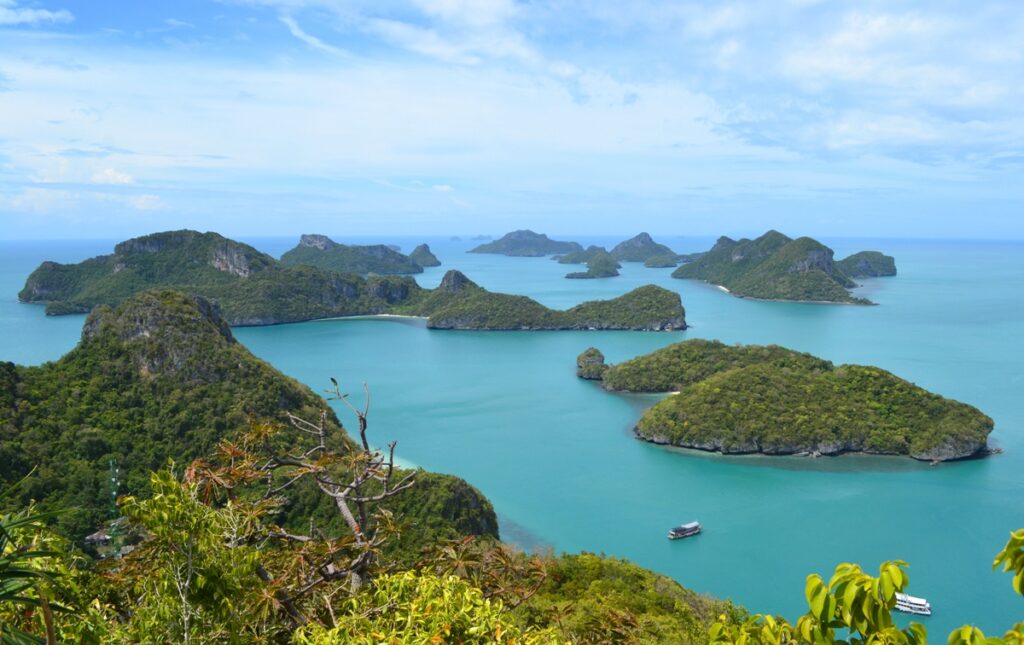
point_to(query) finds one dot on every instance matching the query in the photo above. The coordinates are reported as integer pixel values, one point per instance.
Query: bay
(556, 456)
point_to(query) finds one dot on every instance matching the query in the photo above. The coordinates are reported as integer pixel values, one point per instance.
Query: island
(666, 261)
(422, 256)
(526, 243)
(582, 256)
(775, 401)
(600, 265)
(773, 267)
(252, 288)
(868, 264)
(324, 253)
(459, 303)
(162, 377)
(639, 249)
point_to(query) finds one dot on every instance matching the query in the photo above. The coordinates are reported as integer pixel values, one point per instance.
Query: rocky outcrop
(314, 241)
(163, 332)
(590, 364)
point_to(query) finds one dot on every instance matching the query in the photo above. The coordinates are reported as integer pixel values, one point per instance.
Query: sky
(364, 117)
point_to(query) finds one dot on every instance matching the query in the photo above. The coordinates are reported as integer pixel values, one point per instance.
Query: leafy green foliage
(852, 601)
(413, 607)
(526, 243)
(321, 252)
(596, 599)
(867, 264)
(1011, 558)
(773, 267)
(192, 577)
(856, 609)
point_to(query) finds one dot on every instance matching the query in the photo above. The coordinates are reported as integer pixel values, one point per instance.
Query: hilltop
(322, 252)
(772, 400)
(639, 249)
(422, 256)
(459, 303)
(773, 267)
(161, 377)
(526, 243)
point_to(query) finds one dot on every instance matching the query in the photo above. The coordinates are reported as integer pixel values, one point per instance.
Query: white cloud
(111, 176)
(443, 188)
(11, 13)
(310, 39)
(145, 202)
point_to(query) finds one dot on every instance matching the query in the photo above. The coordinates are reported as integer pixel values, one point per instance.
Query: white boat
(684, 531)
(912, 605)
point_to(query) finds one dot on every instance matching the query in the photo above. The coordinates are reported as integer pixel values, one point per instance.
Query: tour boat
(912, 605)
(684, 531)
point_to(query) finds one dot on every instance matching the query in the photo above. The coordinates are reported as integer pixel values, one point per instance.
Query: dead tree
(357, 478)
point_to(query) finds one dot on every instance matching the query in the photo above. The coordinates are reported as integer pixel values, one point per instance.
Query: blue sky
(275, 117)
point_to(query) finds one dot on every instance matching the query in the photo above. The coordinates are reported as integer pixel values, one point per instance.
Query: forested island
(776, 267)
(324, 253)
(459, 303)
(775, 401)
(526, 243)
(423, 256)
(226, 545)
(600, 264)
(639, 249)
(252, 288)
(868, 264)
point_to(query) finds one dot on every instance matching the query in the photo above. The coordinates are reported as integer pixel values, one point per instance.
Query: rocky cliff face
(313, 241)
(229, 258)
(165, 333)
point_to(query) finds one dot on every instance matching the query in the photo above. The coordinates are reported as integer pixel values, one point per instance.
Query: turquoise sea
(555, 454)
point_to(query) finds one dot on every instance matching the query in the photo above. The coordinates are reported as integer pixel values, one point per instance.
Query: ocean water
(555, 454)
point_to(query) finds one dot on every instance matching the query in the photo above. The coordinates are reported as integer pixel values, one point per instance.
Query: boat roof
(689, 525)
(911, 599)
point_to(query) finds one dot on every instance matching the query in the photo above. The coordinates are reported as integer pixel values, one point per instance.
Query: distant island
(422, 256)
(639, 249)
(324, 253)
(775, 401)
(868, 264)
(526, 243)
(252, 288)
(459, 303)
(600, 264)
(160, 377)
(776, 267)
(581, 256)
(665, 261)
